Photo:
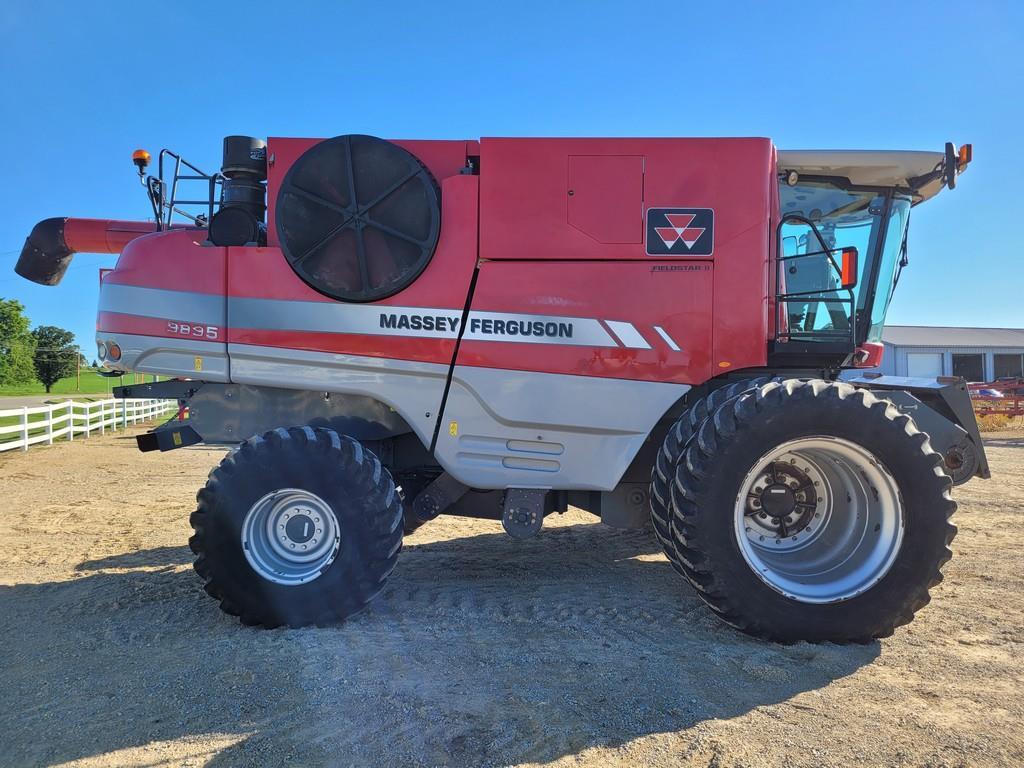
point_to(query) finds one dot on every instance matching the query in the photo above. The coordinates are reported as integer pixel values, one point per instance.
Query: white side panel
(414, 390)
(188, 358)
(540, 430)
(501, 428)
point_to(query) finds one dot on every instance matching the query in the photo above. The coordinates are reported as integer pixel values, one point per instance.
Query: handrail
(166, 205)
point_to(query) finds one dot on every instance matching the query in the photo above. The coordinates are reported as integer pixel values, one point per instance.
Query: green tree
(17, 345)
(56, 354)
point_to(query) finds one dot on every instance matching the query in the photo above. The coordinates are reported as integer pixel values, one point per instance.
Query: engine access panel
(671, 204)
(624, 198)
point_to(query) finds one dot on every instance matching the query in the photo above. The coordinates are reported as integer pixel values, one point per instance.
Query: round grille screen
(358, 217)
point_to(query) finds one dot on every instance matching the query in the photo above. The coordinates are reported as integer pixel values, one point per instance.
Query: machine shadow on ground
(481, 651)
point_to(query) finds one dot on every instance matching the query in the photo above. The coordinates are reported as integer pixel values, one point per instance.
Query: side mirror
(949, 166)
(848, 267)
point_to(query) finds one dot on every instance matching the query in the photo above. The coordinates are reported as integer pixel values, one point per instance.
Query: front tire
(300, 526)
(663, 471)
(812, 511)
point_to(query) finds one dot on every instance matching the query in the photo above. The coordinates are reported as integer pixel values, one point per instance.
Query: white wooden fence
(42, 424)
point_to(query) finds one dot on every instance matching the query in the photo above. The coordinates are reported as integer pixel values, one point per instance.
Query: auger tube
(48, 250)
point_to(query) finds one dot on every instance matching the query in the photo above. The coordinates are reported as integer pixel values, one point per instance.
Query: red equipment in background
(1009, 402)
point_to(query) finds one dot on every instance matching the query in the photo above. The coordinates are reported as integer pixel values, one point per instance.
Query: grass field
(91, 384)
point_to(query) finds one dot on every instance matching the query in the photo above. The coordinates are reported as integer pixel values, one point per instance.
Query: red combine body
(651, 329)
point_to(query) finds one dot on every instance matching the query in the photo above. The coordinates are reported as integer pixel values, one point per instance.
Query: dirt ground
(580, 647)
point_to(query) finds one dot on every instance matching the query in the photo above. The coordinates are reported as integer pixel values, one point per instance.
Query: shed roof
(944, 336)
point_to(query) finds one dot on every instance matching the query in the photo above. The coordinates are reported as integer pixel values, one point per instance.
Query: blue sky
(82, 86)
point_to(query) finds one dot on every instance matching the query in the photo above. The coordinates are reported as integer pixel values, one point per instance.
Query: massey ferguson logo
(680, 231)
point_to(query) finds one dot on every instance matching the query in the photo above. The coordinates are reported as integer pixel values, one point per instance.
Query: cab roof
(920, 172)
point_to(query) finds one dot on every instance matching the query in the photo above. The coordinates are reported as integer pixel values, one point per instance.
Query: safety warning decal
(680, 231)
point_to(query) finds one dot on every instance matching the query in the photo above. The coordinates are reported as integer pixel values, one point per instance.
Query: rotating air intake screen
(358, 217)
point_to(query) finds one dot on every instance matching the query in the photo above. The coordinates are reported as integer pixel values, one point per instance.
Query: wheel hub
(300, 528)
(782, 503)
(290, 536)
(778, 500)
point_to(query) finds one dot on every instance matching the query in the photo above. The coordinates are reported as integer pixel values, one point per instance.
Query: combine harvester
(647, 329)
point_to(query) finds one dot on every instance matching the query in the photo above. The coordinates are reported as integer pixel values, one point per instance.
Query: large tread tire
(671, 449)
(726, 447)
(340, 471)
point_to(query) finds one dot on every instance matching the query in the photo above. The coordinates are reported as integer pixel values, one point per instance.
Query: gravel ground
(579, 647)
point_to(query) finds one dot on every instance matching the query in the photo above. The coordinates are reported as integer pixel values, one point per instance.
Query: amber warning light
(964, 157)
(141, 159)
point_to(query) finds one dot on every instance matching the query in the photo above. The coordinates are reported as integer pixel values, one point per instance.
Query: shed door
(924, 364)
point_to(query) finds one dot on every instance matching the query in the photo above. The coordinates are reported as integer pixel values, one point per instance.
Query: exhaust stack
(53, 242)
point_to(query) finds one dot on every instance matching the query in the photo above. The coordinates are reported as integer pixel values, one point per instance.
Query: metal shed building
(977, 354)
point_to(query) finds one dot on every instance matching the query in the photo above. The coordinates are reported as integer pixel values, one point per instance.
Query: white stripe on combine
(628, 334)
(374, 319)
(411, 322)
(205, 308)
(668, 339)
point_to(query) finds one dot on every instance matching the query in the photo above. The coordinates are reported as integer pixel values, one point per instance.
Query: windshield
(819, 220)
(892, 249)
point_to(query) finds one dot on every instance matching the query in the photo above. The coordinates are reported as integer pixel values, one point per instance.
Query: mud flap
(168, 438)
(941, 407)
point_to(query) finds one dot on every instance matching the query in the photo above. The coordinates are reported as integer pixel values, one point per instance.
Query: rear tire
(866, 485)
(300, 526)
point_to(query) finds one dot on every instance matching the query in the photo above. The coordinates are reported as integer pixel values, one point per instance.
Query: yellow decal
(453, 429)
(176, 437)
(199, 363)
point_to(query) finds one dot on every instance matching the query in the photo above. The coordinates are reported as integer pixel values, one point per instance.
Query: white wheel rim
(846, 527)
(290, 536)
